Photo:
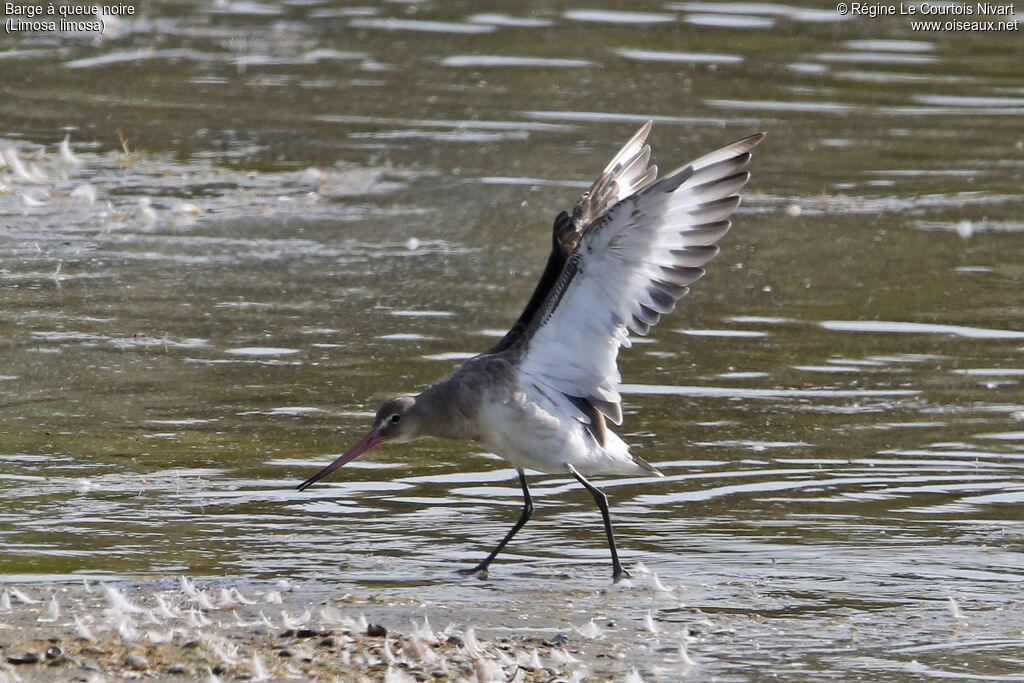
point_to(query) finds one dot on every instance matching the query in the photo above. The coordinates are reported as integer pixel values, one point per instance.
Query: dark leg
(602, 502)
(527, 511)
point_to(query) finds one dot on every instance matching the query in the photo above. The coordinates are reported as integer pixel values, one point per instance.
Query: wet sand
(180, 629)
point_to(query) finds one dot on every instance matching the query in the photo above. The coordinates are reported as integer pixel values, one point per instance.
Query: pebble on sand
(137, 662)
(24, 658)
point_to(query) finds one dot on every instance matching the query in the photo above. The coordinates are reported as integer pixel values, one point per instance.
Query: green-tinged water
(324, 205)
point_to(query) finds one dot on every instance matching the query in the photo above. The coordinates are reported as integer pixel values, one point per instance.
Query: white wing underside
(631, 266)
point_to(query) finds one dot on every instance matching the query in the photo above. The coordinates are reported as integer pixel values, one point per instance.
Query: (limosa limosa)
(541, 397)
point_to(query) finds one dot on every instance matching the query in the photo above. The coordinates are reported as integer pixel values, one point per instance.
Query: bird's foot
(480, 570)
(618, 573)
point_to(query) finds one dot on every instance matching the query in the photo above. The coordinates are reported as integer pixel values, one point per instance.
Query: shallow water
(324, 205)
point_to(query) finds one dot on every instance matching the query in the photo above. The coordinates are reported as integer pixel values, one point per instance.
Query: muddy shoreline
(180, 629)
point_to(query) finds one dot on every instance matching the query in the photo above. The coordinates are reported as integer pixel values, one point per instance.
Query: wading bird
(541, 397)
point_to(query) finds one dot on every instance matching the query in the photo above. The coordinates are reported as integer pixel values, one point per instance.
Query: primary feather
(639, 245)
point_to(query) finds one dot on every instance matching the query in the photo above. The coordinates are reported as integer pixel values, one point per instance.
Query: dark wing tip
(752, 141)
(647, 466)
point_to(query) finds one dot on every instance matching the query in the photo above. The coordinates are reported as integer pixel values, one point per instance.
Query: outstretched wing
(627, 270)
(626, 173)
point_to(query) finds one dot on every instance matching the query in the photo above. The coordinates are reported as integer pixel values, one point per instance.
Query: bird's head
(396, 420)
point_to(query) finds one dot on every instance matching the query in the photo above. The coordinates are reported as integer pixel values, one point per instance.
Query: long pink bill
(368, 442)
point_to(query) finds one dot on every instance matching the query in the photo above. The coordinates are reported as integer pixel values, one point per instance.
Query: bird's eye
(395, 418)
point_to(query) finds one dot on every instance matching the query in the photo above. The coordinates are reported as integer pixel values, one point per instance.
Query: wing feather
(628, 171)
(637, 256)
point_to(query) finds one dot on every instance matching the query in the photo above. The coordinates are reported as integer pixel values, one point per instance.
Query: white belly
(532, 438)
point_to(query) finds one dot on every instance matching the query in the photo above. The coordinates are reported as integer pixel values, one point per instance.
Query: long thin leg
(602, 502)
(527, 511)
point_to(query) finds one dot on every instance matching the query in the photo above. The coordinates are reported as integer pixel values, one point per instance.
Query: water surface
(323, 205)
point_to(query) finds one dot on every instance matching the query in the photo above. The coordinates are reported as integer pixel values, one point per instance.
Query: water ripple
(899, 327)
